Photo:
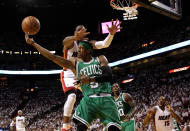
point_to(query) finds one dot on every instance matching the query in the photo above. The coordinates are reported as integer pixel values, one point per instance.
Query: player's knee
(72, 96)
(68, 107)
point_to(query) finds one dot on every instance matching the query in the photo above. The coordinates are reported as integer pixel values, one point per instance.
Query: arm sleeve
(106, 75)
(105, 43)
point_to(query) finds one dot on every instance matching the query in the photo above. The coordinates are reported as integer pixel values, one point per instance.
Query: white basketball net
(127, 6)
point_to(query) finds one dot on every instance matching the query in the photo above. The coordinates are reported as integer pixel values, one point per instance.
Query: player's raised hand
(115, 27)
(81, 34)
(29, 40)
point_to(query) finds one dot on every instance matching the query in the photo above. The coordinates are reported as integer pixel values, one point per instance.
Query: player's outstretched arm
(46, 53)
(80, 35)
(107, 41)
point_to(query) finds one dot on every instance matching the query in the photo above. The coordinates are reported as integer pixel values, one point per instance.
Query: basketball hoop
(129, 7)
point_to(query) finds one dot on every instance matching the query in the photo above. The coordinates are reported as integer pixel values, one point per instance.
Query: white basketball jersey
(70, 54)
(163, 120)
(20, 123)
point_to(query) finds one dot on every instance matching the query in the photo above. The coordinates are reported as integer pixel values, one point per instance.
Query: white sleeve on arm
(105, 43)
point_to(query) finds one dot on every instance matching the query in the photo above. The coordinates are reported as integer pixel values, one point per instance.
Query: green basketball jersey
(122, 106)
(92, 69)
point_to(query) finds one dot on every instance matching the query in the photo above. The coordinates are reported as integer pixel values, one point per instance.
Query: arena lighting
(151, 53)
(22, 52)
(179, 69)
(127, 81)
(53, 52)
(16, 52)
(42, 72)
(26, 52)
(1, 51)
(127, 60)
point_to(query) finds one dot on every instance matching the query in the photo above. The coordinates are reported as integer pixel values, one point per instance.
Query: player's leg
(84, 114)
(109, 113)
(68, 108)
(129, 125)
(70, 92)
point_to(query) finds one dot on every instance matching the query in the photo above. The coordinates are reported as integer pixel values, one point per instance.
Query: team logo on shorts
(78, 113)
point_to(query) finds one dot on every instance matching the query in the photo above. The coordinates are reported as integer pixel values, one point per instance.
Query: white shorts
(67, 80)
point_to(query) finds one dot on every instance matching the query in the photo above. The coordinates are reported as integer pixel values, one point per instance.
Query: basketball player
(162, 116)
(94, 75)
(126, 108)
(70, 44)
(13, 125)
(19, 121)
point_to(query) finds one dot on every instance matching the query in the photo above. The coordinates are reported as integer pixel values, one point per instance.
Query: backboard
(170, 8)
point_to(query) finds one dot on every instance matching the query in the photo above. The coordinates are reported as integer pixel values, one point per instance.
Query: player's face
(161, 101)
(82, 52)
(115, 87)
(20, 113)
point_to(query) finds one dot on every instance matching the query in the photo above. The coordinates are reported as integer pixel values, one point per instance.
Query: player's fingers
(85, 39)
(116, 22)
(120, 28)
(86, 33)
(107, 26)
(111, 21)
(85, 30)
(82, 30)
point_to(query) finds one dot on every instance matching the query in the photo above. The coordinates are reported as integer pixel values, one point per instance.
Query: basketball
(31, 25)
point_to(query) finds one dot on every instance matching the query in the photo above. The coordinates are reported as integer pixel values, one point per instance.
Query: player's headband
(86, 44)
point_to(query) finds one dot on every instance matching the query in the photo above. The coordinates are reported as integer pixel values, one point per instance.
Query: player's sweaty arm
(55, 58)
(150, 115)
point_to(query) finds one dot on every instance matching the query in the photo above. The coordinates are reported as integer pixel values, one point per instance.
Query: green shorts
(103, 108)
(128, 126)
